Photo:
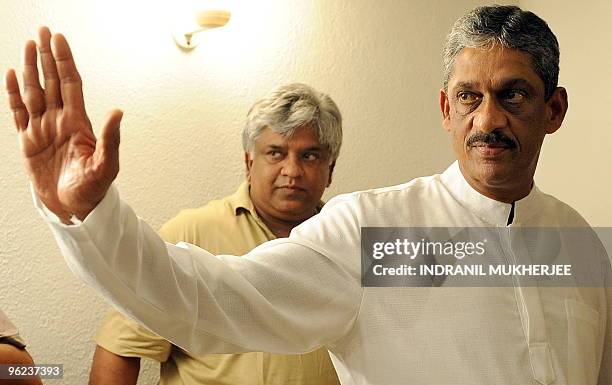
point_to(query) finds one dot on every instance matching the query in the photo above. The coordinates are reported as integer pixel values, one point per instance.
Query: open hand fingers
(70, 80)
(20, 114)
(52, 84)
(33, 93)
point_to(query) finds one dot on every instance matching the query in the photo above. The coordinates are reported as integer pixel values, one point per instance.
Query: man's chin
(295, 210)
(496, 178)
(492, 171)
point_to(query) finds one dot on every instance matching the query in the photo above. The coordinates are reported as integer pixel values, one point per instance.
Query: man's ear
(331, 172)
(248, 163)
(445, 109)
(556, 107)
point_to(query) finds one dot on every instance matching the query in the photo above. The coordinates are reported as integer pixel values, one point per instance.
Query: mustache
(492, 138)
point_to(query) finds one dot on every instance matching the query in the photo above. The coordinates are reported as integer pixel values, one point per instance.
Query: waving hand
(69, 169)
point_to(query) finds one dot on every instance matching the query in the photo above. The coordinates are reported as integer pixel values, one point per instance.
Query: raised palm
(69, 169)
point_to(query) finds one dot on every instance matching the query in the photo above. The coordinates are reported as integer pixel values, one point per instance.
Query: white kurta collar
(493, 212)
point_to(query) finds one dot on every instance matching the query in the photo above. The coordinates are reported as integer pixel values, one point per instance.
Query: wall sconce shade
(205, 20)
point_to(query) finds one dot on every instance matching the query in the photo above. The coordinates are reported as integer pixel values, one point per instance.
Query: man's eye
(514, 96)
(310, 156)
(274, 154)
(467, 97)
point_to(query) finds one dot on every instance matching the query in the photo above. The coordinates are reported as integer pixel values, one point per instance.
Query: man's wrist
(82, 213)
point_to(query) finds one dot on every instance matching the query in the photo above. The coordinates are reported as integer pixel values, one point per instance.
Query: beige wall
(576, 162)
(380, 60)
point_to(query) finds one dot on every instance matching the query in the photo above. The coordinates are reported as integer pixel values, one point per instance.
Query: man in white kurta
(500, 99)
(296, 294)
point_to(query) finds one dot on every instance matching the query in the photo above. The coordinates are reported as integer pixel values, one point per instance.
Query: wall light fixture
(205, 20)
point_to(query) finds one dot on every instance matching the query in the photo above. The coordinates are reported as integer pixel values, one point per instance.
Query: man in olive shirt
(291, 140)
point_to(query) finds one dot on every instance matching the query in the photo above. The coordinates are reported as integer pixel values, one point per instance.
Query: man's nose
(292, 167)
(490, 116)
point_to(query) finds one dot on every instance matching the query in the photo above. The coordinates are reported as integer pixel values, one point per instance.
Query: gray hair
(293, 106)
(510, 27)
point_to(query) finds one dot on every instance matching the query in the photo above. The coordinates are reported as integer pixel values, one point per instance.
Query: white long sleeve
(285, 296)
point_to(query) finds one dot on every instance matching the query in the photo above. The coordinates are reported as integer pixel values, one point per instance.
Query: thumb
(107, 148)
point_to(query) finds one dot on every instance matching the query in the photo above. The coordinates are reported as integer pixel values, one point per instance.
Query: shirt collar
(241, 200)
(489, 210)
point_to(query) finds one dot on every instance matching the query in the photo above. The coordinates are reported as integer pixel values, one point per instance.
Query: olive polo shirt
(227, 226)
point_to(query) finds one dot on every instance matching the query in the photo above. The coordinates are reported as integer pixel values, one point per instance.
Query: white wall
(380, 61)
